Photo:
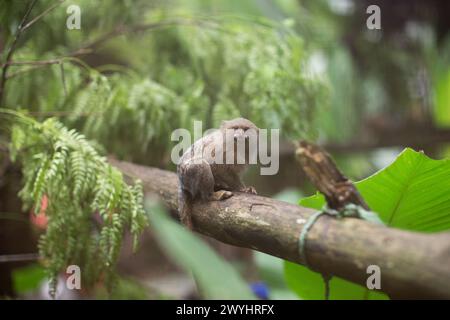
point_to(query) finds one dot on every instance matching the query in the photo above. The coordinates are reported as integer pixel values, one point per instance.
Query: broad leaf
(309, 285)
(28, 278)
(412, 193)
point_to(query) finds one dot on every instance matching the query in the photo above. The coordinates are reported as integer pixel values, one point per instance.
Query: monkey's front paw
(251, 190)
(221, 195)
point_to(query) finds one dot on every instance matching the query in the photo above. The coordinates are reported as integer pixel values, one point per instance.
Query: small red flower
(40, 220)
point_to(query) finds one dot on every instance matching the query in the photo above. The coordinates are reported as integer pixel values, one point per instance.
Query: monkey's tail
(185, 208)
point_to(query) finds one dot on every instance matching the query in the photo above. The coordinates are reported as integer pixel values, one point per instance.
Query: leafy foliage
(411, 193)
(87, 203)
(211, 71)
(195, 68)
(131, 92)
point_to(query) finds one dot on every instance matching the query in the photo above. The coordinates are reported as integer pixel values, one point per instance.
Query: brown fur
(206, 180)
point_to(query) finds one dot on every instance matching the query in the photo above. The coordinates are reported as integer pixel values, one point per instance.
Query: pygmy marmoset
(202, 177)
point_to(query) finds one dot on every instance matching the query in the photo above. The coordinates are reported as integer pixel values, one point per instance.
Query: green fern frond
(89, 206)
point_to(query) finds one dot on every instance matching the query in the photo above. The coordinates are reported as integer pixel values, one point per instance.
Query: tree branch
(413, 265)
(133, 29)
(12, 48)
(89, 47)
(44, 13)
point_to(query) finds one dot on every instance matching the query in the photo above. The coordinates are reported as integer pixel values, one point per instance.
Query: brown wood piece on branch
(326, 177)
(413, 265)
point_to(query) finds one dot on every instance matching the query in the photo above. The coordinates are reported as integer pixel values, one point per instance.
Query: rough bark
(327, 178)
(413, 265)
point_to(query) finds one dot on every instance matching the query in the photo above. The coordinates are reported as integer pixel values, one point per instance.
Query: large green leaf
(412, 193)
(28, 278)
(215, 277)
(310, 285)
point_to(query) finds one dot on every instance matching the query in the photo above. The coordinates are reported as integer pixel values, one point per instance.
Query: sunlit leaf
(411, 193)
(28, 278)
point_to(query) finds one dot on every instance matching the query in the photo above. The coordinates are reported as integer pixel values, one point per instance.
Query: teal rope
(302, 239)
(350, 210)
(302, 243)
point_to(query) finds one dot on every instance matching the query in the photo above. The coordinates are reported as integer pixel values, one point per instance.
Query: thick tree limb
(413, 265)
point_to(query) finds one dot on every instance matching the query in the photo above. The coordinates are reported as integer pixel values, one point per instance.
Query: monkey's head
(245, 137)
(242, 128)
